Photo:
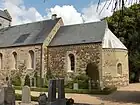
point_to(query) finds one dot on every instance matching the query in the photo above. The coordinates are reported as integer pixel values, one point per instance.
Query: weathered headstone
(52, 91)
(9, 95)
(61, 90)
(26, 95)
(42, 99)
(75, 86)
(1, 96)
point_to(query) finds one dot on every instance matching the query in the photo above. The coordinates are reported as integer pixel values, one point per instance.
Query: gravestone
(52, 91)
(9, 95)
(1, 96)
(52, 100)
(75, 86)
(42, 99)
(26, 95)
(61, 92)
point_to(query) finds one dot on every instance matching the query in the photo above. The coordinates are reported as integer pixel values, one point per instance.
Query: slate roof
(26, 34)
(80, 33)
(5, 14)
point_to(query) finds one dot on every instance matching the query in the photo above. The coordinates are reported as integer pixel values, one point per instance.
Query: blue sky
(41, 6)
(71, 11)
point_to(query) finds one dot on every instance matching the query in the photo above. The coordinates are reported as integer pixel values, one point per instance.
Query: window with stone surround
(119, 68)
(71, 63)
(1, 61)
(31, 59)
(14, 60)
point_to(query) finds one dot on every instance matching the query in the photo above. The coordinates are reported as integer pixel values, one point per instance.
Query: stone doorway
(93, 72)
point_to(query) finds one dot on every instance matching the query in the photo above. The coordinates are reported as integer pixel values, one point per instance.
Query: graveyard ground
(129, 95)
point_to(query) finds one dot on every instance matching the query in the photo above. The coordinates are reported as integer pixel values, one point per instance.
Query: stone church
(36, 48)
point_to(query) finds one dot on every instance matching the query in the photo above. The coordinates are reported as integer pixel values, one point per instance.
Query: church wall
(110, 59)
(46, 43)
(22, 60)
(84, 54)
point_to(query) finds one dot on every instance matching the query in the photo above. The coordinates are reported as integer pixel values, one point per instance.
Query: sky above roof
(71, 11)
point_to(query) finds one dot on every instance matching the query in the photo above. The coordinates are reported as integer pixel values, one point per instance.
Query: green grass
(19, 97)
(37, 89)
(106, 91)
(79, 91)
(82, 91)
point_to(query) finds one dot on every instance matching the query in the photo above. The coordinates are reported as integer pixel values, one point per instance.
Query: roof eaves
(1, 47)
(75, 44)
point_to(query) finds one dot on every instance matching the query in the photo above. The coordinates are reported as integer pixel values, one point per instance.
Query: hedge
(106, 91)
(33, 89)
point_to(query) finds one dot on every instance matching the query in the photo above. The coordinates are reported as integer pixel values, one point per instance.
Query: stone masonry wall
(110, 59)
(22, 59)
(46, 43)
(84, 54)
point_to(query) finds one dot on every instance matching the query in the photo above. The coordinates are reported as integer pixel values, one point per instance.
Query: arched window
(71, 62)
(119, 68)
(14, 60)
(31, 59)
(1, 61)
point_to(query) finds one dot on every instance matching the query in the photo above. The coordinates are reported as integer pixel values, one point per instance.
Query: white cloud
(71, 16)
(19, 13)
(89, 14)
(68, 13)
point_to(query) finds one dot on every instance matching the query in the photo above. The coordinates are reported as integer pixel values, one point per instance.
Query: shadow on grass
(121, 96)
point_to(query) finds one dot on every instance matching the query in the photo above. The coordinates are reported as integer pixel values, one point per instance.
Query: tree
(115, 4)
(128, 30)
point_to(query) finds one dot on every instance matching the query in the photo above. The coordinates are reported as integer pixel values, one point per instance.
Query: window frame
(68, 62)
(119, 68)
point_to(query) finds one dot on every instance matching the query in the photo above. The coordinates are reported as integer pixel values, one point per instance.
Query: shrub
(16, 80)
(81, 79)
(69, 84)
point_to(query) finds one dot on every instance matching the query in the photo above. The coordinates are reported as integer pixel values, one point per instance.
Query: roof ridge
(83, 23)
(29, 23)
